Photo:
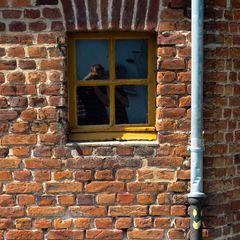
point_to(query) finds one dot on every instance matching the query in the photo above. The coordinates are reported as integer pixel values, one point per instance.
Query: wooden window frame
(111, 131)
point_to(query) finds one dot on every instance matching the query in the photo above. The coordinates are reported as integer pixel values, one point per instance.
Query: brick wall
(52, 189)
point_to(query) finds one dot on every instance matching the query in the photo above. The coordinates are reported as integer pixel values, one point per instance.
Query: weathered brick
(7, 64)
(104, 234)
(88, 211)
(146, 234)
(83, 223)
(145, 187)
(105, 186)
(24, 234)
(23, 187)
(122, 211)
(42, 163)
(60, 223)
(45, 211)
(19, 139)
(103, 223)
(9, 162)
(123, 223)
(65, 234)
(42, 223)
(64, 187)
(23, 223)
(6, 201)
(161, 210)
(12, 212)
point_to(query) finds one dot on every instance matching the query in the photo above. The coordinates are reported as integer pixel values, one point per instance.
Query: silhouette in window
(92, 101)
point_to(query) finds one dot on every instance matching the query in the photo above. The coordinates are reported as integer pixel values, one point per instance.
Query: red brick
(20, 127)
(51, 64)
(106, 198)
(37, 26)
(85, 199)
(25, 199)
(125, 198)
(125, 174)
(146, 234)
(105, 186)
(83, 223)
(5, 175)
(62, 223)
(36, 77)
(24, 234)
(6, 201)
(171, 89)
(31, 13)
(51, 13)
(103, 175)
(6, 223)
(42, 223)
(176, 234)
(144, 187)
(142, 222)
(66, 200)
(104, 234)
(29, 114)
(17, 26)
(124, 211)
(11, 14)
(176, 187)
(22, 3)
(12, 212)
(19, 101)
(88, 211)
(37, 52)
(162, 222)
(145, 198)
(9, 162)
(178, 210)
(64, 187)
(103, 223)
(65, 234)
(23, 187)
(7, 64)
(7, 115)
(163, 198)
(160, 210)
(45, 211)
(43, 175)
(27, 64)
(45, 200)
(22, 175)
(123, 223)
(171, 39)
(23, 223)
(42, 163)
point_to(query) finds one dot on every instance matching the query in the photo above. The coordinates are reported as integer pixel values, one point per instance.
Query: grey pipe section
(196, 196)
(197, 99)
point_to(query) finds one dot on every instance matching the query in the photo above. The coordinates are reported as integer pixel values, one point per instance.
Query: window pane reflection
(131, 104)
(131, 59)
(92, 105)
(90, 53)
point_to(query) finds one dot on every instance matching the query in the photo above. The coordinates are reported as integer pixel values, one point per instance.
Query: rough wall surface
(51, 189)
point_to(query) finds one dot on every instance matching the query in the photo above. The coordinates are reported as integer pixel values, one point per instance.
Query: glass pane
(131, 59)
(92, 54)
(92, 105)
(131, 104)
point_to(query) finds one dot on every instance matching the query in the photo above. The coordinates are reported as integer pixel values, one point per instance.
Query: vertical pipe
(196, 196)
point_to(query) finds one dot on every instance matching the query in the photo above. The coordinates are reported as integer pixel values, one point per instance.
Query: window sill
(114, 143)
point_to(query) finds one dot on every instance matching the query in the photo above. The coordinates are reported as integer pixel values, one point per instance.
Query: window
(111, 85)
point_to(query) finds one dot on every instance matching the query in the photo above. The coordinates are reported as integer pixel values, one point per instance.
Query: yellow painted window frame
(110, 132)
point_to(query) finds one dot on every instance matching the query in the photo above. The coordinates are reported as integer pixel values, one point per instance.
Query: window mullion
(112, 80)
